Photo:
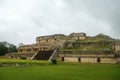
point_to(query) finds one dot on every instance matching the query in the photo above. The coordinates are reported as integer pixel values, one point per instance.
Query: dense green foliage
(11, 62)
(3, 49)
(62, 71)
(54, 61)
(87, 46)
(6, 47)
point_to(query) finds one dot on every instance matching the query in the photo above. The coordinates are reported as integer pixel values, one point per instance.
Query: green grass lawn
(61, 71)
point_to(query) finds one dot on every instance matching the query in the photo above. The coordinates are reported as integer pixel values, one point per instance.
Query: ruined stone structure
(76, 47)
(43, 43)
(93, 57)
(76, 36)
(51, 42)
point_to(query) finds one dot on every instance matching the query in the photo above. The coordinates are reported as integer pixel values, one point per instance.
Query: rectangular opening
(79, 59)
(62, 58)
(98, 60)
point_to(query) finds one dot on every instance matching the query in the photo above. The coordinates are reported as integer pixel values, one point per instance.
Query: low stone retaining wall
(108, 60)
(19, 56)
(89, 60)
(87, 55)
(68, 59)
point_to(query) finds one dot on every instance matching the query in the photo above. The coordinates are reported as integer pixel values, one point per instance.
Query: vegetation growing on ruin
(92, 48)
(87, 46)
(104, 43)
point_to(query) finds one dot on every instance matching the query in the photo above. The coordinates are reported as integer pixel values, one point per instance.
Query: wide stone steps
(42, 55)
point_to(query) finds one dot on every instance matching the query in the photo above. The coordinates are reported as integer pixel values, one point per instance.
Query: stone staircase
(42, 55)
(32, 58)
(53, 56)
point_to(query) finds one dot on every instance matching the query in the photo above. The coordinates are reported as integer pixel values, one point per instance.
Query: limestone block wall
(19, 56)
(82, 37)
(108, 60)
(77, 59)
(70, 59)
(118, 60)
(117, 47)
(91, 60)
(87, 55)
(59, 58)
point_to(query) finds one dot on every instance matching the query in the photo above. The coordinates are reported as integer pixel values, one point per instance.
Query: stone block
(70, 59)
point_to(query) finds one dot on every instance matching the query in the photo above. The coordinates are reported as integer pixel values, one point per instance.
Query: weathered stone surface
(108, 60)
(70, 59)
(89, 60)
(76, 47)
(79, 54)
(19, 56)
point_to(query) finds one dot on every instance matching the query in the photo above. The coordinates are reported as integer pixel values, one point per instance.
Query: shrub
(24, 57)
(54, 61)
(0, 64)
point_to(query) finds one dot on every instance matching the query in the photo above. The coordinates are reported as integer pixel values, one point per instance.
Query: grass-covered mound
(19, 63)
(61, 71)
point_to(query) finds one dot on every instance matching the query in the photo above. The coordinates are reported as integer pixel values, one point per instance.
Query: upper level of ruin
(50, 42)
(60, 37)
(72, 42)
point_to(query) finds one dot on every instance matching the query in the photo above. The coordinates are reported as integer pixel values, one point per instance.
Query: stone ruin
(76, 47)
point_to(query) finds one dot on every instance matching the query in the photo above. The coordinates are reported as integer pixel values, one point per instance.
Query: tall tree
(3, 49)
(6, 47)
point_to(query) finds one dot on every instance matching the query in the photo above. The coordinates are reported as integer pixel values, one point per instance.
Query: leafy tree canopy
(6, 47)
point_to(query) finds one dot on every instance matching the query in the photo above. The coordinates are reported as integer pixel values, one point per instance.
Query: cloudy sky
(21, 21)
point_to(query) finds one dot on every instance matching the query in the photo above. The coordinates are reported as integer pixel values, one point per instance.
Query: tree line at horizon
(6, 47)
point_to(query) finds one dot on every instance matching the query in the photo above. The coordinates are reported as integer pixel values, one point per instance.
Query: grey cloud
(108, 11)
(27, 19)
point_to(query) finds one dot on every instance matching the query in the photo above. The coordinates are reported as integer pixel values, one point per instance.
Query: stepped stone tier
(50, 42)
(76, 47)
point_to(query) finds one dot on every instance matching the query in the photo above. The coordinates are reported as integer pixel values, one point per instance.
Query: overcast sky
(21, 21)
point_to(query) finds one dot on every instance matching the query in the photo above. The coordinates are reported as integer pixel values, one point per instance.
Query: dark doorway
(79, 59)
(98, 60)
(62, 58)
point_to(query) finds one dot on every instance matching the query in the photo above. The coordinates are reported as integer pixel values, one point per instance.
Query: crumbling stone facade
(89, 57)
(44, 43)
(76, 47)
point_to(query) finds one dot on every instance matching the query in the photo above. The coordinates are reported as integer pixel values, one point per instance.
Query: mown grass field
(61, 71)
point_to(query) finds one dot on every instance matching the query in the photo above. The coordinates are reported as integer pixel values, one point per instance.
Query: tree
(6, 47)
(12, 48)
(3, 49)
(20, 44)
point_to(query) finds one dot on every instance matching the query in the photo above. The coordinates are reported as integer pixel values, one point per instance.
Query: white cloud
(23, 20)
